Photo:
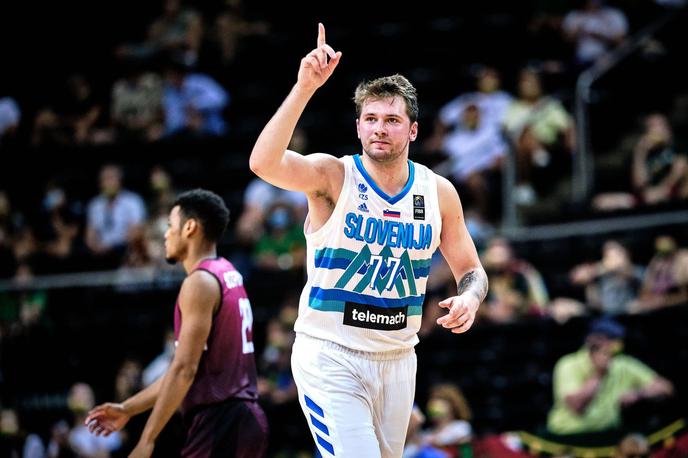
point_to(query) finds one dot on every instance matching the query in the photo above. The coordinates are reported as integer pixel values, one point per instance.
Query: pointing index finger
(321, 34)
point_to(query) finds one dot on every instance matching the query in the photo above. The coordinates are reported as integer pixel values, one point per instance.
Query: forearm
(274, 139)
(579, 400)
(474, 282)
(173, 389)
(144, 399)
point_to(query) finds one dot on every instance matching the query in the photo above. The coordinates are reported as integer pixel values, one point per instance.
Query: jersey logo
(391, 214)
(418, 207)
(371, 317)
(380, 272)
(362, 187)
(363, 207)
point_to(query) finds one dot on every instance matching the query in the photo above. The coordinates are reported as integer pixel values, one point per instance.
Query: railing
(583, 160)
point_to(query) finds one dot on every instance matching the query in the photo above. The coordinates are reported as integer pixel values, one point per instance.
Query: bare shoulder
(200, 288)
(448, 196)
(326, 163)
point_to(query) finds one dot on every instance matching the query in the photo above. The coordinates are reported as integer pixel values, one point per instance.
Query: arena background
(68, 316)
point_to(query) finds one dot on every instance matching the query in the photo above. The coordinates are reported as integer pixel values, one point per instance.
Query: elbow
(254, 164)
(185, 372)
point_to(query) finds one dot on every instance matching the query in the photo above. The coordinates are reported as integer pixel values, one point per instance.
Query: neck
(197, 254)
(391, 176)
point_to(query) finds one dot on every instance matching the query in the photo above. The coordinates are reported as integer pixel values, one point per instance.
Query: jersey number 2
(246, 324)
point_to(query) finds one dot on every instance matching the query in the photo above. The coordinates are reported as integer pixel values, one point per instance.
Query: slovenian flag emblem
(391, 214)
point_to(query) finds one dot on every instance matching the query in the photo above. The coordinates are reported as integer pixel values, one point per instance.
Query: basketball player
(374, 221)
(213, 373)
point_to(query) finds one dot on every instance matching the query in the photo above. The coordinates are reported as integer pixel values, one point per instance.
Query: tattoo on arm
(474, 282)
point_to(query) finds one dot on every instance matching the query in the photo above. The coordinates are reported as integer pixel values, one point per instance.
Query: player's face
(174, 246)
(385, 129)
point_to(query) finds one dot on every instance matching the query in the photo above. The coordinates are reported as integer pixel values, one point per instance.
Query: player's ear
(414, 131)
(190, 226)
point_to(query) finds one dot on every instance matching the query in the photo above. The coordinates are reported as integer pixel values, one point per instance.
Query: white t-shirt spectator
(473, 151)
(492, 108)
(589, 25)
(113, 220)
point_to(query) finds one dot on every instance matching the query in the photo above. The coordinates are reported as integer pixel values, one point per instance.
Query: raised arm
(458, 249)
(270, 158)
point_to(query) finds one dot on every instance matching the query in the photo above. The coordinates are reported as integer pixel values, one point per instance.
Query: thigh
(232, 429)
(336, 407)
(394, 404)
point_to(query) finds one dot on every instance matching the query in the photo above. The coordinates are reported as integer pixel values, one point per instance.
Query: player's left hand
(461, 315)
(142, 450)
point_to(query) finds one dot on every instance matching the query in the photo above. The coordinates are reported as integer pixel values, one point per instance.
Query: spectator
(633, 446)
(666, 277)
(516, 288)
(260, 196)
(660, 173)
(178, 29)
(10, 115)
(231, 27)
(592, 385)
(60, 227)
(192, 102)
(283, 245)
(157, 368)
(113, 217)
(543, 134)
(475, 149)
(489, 99)
(611, 284)
(450, 415)
(137, 105)
(84, 444)
(72, 120)
(594, 29)
(58, 446)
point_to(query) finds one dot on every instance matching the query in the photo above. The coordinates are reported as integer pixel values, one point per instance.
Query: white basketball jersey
(368, 265)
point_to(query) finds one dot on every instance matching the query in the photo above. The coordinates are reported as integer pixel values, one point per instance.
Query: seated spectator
(594, 29)
(516, 288)
(490, 100)
(84, 444)
(192, 102)
(450, 416)
(475, 149)
(136, 110)
(231, 27)
(283, 245)
(260, 196)
(613, 283)
(666, 278)
(60, 229)
(112, 218)
(543, 133)
(633, 446)
(10, 115)
(72, 120)
(660, 173)
(594, 384)
(178, 29)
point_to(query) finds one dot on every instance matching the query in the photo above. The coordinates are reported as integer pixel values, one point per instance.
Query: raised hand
(315, 68)
(106, 419)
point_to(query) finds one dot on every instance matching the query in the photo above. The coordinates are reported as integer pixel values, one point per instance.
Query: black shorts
(234, 428)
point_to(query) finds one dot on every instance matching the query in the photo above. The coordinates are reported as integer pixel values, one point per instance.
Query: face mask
(53, 199)
(279, 218)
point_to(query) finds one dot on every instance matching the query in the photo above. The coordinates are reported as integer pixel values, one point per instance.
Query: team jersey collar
(376, 188)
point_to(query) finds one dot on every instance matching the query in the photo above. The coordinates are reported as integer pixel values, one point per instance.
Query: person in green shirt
(592, 385)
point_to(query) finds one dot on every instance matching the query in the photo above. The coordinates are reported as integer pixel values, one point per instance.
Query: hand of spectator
(106, 419)
(315, 70)
(630, 397)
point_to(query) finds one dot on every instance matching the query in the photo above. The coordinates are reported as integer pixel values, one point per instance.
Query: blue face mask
(279, 218)
(53, 198)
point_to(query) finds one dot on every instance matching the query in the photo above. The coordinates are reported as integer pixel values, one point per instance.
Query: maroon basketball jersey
(227, 368)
